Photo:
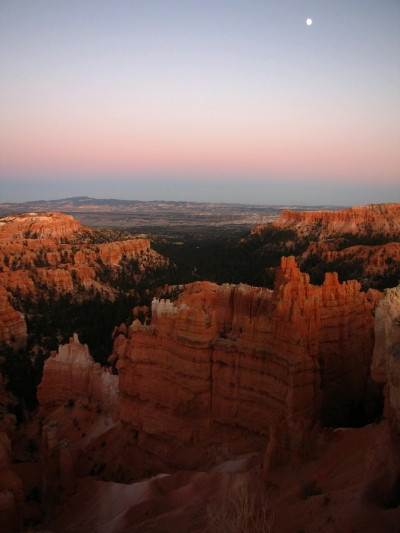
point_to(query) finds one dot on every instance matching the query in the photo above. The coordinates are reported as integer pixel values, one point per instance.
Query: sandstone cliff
(375, 259)
(372, 219)
(222, 371)
(54, 226)
(359, 242)
(382, 469)
(71, 374)
(78, 405)
(386, 357)
(12, 323)
(215, 369)
(54, 251)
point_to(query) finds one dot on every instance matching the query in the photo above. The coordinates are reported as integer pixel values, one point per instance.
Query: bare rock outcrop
(386, 358)
(78, 405)
(369, 219)
(40, 226)
(214, 370)
(216, 374)
(54, 251)
(71, 374)
(12, 322)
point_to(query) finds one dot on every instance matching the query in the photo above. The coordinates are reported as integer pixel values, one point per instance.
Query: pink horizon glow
(201, 91)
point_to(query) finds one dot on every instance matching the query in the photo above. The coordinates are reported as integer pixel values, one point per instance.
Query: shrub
(240, 514)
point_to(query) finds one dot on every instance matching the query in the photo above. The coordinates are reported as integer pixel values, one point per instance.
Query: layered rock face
(215, 369)
(386, 358)
(53, 226)
(54, 251)
(374, 259)
(359, 242)
(12, 322)
(382, 473)
(369, 219)
(72, 374)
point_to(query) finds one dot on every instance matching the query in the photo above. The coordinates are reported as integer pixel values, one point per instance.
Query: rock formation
(386, 358)
(12, 322)
(71, 374)
(54, 251)
(369, 219)
(216, 368)
(228, 371)
(78, 405)
(54, 226)
(382, 472)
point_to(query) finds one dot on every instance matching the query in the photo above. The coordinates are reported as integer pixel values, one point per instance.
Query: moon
(309, 22)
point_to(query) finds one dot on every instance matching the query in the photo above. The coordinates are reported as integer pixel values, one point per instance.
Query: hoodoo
(216, 368)
(55, 251)
(226, 376)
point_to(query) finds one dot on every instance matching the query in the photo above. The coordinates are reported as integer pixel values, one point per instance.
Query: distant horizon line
(124, 201)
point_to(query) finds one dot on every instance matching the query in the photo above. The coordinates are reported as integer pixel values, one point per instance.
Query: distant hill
(115, 213)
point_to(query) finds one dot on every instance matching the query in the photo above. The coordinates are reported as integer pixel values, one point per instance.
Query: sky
(201, 100)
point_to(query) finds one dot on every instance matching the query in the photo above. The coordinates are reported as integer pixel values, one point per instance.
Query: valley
(139, 216)
(156, 366)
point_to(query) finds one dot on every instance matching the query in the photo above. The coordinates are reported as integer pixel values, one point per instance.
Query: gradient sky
(204, 100)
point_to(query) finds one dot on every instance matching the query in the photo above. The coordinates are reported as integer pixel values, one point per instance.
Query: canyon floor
(328, 494)
(140, 216)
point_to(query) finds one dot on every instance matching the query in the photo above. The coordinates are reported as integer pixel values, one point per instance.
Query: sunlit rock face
(369, 219)
(217, 367)
(375, 259)
(363, 241)
(40, 226)
(53, 251)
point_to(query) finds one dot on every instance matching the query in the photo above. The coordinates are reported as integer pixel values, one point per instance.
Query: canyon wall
(11, 489)
(12, 322)
(375, 259)
(382, 469)
(369, 219)
(54, 251)
(215, 369)
(70, 375)
(218, 368)
(386, 357)
(54, 226)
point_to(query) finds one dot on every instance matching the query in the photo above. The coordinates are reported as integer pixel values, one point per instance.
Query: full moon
(309, 22)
